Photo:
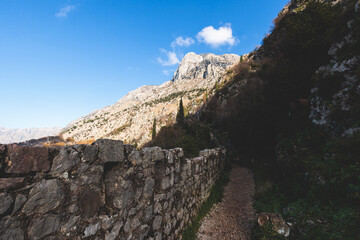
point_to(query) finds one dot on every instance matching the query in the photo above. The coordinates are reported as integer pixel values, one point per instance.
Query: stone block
(8, 183)
(44, 197)
(25, 159)
(110, 150)
(65, 160)
(6, 201)
(44, 226)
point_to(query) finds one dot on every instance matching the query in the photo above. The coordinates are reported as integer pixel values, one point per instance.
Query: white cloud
(171, 58)
(64, 11)
(217, 37)
(182, 42)
(167, 72)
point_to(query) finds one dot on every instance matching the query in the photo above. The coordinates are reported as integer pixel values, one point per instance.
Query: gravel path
(233, 217)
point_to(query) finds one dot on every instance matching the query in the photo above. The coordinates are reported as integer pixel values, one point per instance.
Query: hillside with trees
(291, 114)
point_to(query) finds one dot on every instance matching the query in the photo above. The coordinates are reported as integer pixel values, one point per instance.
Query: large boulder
(44, 197)
(110, 150)
(25, 159)
(6, 200)
(7, 183)
(43, 226)
(277, 222)
(65, 160)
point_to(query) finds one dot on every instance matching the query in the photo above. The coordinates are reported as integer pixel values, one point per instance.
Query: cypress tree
(153, 132)
(180, 117)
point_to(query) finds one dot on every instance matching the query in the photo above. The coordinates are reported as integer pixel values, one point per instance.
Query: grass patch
(216, 194)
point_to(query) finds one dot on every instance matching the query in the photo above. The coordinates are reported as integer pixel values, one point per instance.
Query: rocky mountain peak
(131, 118)
(203, 65)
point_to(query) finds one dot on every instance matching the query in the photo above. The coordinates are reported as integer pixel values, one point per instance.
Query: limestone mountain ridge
(130, 119)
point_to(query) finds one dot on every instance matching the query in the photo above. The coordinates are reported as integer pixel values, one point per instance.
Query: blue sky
(60, 60)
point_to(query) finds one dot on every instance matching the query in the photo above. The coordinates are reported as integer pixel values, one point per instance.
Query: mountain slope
(291, 113)
(131, 118)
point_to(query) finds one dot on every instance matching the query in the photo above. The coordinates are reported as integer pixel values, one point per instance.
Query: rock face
(278, 223)
(337, 85)
(132, 116)
(25, 134)
(24, 159)
(206, 66)
(106, 190)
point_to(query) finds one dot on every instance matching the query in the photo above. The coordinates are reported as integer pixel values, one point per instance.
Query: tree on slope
(153, 132)
(180, 117)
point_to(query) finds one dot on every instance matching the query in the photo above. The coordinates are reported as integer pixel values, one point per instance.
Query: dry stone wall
(106, 190)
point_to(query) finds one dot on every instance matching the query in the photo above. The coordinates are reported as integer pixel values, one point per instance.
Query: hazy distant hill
(23, 134)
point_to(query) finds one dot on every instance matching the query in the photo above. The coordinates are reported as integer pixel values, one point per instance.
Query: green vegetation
(119, 130)
(315, 185)
(175, 95)
(309, 175)
(304, 173)
(153, 131)
(216, 194)
(180, 116)
(192, 136)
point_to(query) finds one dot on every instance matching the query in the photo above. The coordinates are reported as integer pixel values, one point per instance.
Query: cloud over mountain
(217, 37)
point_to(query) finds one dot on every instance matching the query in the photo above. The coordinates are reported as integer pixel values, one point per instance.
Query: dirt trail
(232, 218)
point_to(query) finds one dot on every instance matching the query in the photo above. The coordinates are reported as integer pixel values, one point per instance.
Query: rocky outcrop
(337, 85)
(205, 66)
(106, 190)
(131, 118)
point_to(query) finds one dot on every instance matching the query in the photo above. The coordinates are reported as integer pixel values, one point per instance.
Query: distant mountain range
(24, 134)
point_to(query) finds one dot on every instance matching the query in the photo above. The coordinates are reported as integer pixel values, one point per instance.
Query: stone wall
(106, 190)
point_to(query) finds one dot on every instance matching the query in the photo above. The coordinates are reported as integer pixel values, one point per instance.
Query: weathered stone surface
(107, 222)
(44, 197)
(128, 149)
(110, 150)
(42, 227)
(157, 223)
(90, 201)
(149, 187)
(148, 214)
(5, 202)
(2, 156)
(65, 160)
(278, 223)
(357, 7)
(13, 234)
(70, 224)
(124, 200)
(145, 200)
(165, 183)
(7, 183)
(135, 158)
(25, 159)
(90, 153)
(114, 231)
(91, 229)
(19, 201)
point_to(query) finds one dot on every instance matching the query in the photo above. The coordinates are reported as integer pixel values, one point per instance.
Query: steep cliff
(131, 118)
(291, 113)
